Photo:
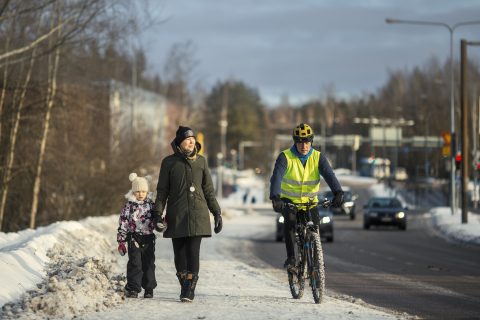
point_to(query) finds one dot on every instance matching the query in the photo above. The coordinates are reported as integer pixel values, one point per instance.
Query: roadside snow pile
(23, 256)
(452, 227)
(80, 277)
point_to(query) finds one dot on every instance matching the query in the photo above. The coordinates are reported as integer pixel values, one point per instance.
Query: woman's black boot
(190, 283)
(181, 279)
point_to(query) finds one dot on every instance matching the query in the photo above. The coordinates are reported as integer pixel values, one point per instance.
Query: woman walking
(185, 188)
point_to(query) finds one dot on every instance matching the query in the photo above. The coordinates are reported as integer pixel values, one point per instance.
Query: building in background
(132, 110)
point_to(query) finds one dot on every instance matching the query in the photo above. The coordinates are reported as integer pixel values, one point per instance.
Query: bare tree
(2, 95)
(11, 152)
(31, 45)
(52, 90)
(178, 71)
(54, 94)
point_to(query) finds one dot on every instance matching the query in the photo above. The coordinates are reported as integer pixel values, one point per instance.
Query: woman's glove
(160, 226)
(122, 249)
(218, 223)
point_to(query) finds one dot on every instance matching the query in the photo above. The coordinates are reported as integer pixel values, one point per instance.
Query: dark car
(326, 225)
(384, 211)
(348, 206)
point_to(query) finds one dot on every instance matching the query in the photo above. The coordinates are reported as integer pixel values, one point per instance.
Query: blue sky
(300, 48)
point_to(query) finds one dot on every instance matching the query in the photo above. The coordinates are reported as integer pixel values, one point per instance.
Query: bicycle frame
(310, 263)
(305, 226)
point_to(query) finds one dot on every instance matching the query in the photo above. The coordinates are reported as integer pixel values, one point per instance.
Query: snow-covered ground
(72, 269)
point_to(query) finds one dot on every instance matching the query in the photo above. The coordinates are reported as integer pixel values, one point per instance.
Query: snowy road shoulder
(451, 226)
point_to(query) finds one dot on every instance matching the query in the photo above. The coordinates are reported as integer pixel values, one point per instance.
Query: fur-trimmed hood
(176, 148)
(131, 197)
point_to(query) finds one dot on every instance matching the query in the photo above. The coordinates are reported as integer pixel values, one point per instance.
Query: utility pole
(474, 149)
(464, 124)
(223, 123)
(323, 147)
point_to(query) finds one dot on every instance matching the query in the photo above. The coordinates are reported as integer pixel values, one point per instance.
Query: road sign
(200, 139)
(446, 151)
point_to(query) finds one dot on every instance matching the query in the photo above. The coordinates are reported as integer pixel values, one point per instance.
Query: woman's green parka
(185, 187)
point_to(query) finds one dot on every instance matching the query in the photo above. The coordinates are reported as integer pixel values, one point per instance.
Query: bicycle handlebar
(325, 203)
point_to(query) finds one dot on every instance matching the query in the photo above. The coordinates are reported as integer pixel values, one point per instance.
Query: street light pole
(221, 157)
(451, 29)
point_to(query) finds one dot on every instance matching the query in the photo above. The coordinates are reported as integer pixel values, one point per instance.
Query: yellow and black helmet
(302, 133)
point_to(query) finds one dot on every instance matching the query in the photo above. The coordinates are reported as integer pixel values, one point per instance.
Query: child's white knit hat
(139, 183)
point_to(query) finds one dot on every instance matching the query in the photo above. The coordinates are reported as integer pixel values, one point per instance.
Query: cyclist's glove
(278, 204)
(289, 208)
(337, 199)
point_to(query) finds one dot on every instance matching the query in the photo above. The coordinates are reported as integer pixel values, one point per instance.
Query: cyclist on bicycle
(296, 179)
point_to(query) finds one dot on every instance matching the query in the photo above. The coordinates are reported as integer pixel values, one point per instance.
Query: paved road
(413, 271)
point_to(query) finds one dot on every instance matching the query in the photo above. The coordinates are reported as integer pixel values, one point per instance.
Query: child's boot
(131, 294)
(148, 293)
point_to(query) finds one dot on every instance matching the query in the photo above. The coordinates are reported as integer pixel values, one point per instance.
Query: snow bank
(68, 269)
(23, 256)
(452, 227)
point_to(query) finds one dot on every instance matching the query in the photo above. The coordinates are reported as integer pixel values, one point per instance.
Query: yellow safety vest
(299, 183)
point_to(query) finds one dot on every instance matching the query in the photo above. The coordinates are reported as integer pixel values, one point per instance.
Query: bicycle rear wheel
(316, 268)
(296, 278)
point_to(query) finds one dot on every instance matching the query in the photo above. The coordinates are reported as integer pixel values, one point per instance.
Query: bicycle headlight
(281, 219)
(325, 220)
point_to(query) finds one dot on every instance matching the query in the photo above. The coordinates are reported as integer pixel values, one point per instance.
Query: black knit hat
(182, 134)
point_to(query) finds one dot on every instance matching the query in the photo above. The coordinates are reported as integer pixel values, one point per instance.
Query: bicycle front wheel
(296, 277)
(316, 268)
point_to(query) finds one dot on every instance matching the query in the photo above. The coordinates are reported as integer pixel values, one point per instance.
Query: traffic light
(458, 161)
(478, 166)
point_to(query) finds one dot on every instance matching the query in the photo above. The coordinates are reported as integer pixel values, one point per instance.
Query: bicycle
(309, 262)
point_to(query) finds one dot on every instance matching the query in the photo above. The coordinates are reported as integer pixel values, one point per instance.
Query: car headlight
(281, 219)
(373, 214)
(348, 204)
(325, 220)
(400, 215)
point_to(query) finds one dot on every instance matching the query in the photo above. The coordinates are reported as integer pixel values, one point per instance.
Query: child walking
(135, 231)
